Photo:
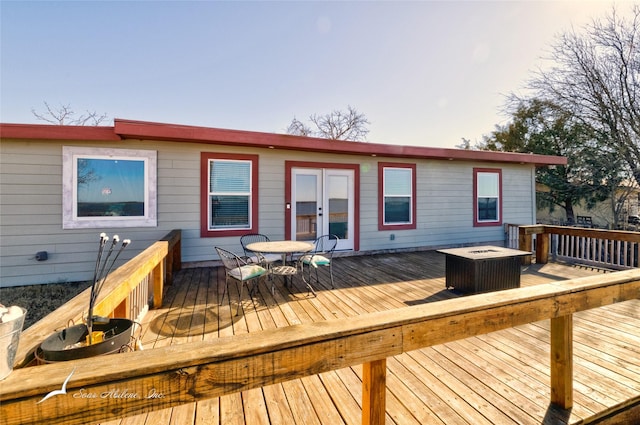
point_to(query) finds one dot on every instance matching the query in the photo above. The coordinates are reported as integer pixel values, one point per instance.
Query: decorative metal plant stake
(101, 272)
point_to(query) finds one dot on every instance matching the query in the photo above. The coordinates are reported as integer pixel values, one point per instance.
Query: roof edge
(195, 134)
(145, 130)
(57, 132)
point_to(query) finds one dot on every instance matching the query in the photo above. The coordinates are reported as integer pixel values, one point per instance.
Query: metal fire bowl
(117, 334)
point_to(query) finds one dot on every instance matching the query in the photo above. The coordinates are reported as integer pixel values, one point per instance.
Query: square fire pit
(479, 269)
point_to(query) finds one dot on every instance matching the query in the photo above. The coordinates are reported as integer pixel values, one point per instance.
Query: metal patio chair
(321, 255)
(241, 270)
(266, 260)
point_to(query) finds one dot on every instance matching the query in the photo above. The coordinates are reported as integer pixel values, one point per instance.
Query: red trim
(289, 165)
(144, 130)
(477, 223)
(414, 201)
(173, 132)
(57, 132)
(204, 194)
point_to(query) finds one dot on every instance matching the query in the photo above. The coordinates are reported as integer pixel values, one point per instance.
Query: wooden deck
(498, 378)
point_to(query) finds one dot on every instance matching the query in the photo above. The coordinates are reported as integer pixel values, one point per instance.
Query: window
(397, 196)
(229, 190)
(106, 187)
(488, 197)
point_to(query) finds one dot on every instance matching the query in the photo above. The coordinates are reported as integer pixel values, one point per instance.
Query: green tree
(541, 127)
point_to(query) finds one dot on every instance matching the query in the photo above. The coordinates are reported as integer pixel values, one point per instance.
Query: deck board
(497, 378)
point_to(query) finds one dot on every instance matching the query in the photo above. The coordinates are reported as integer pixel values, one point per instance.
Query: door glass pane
(338, 206)
(306, 207)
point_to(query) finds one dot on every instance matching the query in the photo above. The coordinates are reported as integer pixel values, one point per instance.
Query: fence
(612, 249)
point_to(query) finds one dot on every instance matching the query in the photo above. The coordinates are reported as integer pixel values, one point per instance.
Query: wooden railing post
(524, 242)
(173, 261)
(177, 254)
(374, 388)
(157, 275)
(168, 268)
(562, 361)
(542, 248)
(123, 309)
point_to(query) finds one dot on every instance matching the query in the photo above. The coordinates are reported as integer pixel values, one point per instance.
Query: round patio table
(281, 247)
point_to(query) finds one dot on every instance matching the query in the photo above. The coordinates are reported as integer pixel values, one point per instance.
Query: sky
(119, 181)
(424, 73)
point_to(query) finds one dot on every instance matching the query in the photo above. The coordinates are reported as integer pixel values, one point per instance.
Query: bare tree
(86, 174)
(297, 128)
(65, 115)
(337, 125)
(540, 127)
(596, 76)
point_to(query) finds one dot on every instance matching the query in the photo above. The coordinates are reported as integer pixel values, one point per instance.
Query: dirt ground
(40, 300)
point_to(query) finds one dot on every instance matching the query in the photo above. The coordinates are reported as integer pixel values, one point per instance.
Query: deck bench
(584, 221)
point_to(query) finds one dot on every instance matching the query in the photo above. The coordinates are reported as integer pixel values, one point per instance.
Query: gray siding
(31, 206)
(445, 207)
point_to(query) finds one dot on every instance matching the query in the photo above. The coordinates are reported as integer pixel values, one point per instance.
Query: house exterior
(61, 186)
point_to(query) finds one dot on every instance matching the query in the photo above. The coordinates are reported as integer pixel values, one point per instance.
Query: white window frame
(248, 194)
(383, 195)
(497, 196)
(70, 157)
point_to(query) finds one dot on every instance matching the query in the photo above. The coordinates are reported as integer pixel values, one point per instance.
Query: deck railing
(611, 249)
(141, 381)
(126, 293)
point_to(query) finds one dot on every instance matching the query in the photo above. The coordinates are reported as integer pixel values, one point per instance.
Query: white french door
(322, 203)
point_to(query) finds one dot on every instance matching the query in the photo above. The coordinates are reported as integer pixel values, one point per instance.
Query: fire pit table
(479, 269)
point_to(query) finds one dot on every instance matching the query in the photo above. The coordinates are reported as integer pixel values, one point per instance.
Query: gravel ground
(40, 300)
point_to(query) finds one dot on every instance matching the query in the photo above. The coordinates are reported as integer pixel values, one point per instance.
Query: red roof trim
(124, 129)
(175, 132)
(57, 132)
